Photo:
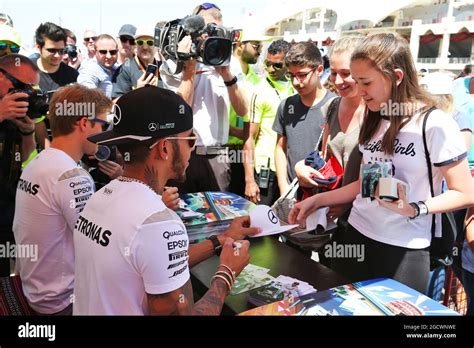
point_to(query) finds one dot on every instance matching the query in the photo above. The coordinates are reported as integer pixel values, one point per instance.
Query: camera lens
(217, 51)
(103, 153)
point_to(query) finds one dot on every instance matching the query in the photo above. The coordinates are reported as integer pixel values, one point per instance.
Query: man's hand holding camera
(11, 107)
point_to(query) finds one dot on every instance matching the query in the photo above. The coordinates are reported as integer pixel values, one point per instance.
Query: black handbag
(441, 248)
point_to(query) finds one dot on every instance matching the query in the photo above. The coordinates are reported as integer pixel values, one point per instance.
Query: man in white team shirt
(132, 255)
(51, 193)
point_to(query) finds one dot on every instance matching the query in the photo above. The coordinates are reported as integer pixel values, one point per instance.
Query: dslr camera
(37, 100)
(71, 51)
(211, 43)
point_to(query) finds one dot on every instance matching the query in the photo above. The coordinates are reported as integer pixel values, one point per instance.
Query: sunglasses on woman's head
(13, 47)
(145, 42)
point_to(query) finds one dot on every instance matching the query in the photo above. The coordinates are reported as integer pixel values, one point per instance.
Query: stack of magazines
(208, 213)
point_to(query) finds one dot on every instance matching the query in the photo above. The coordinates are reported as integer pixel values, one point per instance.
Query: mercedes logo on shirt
(152, 127)
(117, 113)
(272, 217)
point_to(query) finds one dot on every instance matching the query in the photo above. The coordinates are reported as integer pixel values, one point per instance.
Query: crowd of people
(108, 238)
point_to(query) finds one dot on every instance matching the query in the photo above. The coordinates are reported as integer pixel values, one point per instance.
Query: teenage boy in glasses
(54, 73)
(133, 74)
(51, 193)
(99, 71)
(126, 43)
(260, 140)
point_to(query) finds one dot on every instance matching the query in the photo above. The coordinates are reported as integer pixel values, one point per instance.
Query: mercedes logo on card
(117, 112)
(152, 127)
(272, 217)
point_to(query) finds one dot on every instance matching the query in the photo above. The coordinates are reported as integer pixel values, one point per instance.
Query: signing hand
(235, 259)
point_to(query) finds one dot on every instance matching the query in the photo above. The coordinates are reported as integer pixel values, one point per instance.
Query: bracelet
(231, 82)
(229, 276)
(230, 270)
(224, 279)
(417, 210)
(27, 133)
(423, 208)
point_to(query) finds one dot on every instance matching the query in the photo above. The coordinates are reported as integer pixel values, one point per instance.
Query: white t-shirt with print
(445, 145)
(51, 193)
(211, 103)
(127, 244)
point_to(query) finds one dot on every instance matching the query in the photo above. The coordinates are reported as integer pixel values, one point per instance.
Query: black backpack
(441, 248)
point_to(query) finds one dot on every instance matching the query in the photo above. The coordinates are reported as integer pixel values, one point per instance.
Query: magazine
(206, 213)
(371, 297)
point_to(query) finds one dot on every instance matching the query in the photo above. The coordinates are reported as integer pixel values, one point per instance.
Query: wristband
(417, 210)
(224, 279)
(231, 82)
(423, 208)
(230, 270)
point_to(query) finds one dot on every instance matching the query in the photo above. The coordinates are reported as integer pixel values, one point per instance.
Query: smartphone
(151, 69)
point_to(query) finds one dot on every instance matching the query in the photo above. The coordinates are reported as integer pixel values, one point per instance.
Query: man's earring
(166, 158)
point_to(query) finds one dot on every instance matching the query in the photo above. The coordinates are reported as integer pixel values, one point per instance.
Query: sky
(107, 16)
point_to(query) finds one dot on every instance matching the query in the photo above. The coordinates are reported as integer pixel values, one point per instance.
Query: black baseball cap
(146, 113)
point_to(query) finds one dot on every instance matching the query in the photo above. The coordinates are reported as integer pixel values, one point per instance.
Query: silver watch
(423, 208)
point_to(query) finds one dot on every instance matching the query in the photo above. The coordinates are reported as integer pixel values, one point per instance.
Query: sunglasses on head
(125, 39)
(207, 6)
(13, 47)
(112, 52)
(17, 84)
(150, 43)
(276, 66)
(60, 51)
(93, 38)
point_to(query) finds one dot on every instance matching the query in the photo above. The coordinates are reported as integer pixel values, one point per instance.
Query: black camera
(71, 51)
(37, 101)
(211, 43)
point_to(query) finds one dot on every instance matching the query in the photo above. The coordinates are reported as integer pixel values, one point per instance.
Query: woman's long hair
(387, 52)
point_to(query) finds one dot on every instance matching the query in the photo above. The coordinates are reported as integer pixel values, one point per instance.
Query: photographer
(72, 57)
(17, 143)
(53, 190)
(210, 91)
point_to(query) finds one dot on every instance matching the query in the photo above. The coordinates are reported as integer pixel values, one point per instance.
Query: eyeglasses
(105, 125)
(276, 66)
(150, 43)
(59, 51)
(13, 47)
(88, 39)
(207, 6)
(299, 76)
(125, 39)
(15, 82)
(112, 52)
(191, 140)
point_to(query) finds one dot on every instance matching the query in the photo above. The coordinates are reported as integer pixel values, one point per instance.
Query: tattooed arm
(181, 301)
